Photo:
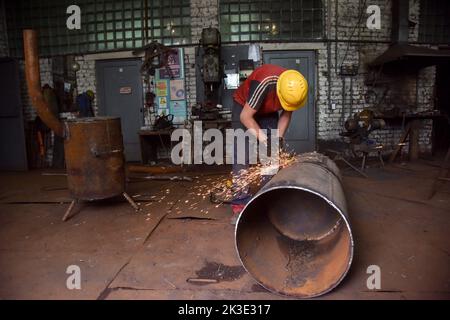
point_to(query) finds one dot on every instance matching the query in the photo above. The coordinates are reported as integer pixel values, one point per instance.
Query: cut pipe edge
(32, 75)
(278, 292)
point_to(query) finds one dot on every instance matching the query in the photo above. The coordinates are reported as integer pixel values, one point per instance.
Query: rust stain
(219, 272)
(90, 176)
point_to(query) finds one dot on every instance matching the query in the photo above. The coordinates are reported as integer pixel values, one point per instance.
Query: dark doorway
(441, 127)
(12, 135)
(119, 89)
(301, 134)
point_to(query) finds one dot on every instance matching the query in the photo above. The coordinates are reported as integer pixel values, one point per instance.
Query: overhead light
(75, 66)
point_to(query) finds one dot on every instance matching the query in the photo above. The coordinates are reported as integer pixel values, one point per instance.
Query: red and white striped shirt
(259, 90)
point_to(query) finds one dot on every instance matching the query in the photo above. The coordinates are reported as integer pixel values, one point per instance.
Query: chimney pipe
(32, 75)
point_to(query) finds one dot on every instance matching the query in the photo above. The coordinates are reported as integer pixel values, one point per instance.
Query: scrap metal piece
(139, 168)
(162, 178)
(294, 236)
(131, 201)
(202, 281)
(67, 215)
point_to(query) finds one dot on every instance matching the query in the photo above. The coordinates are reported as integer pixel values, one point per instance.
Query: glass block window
(106, 25)
(434, 21)
(260, 20)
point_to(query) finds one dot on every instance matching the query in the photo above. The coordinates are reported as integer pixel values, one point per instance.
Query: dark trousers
(266, 121)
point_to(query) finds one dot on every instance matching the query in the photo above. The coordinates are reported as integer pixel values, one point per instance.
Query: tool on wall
(246, 68)
(163, 122)
(149, 105)
(211, 69)
(206, 111)
(156, 56)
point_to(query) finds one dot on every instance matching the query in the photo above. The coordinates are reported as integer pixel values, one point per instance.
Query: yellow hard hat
(90, 93)
(292, 90)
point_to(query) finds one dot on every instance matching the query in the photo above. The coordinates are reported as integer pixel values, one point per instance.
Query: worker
(84, 103)
(257, 104)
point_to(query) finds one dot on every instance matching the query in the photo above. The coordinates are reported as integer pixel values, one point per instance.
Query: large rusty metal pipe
(294, 236)
(32, 74)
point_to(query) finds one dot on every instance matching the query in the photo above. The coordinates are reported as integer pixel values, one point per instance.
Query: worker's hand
(262, 138)
(270, 169)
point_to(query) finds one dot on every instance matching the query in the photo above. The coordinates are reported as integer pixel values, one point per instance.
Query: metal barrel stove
(294, 236)
(93, 147)
(94, 158)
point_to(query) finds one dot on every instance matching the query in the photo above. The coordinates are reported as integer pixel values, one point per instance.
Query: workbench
(411, 125)
(151, 141)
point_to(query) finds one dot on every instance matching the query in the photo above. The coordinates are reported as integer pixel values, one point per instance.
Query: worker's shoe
(237, 209)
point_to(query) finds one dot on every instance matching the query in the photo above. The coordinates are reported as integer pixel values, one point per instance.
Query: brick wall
(402, 90)
(204, 14)
(86, 78)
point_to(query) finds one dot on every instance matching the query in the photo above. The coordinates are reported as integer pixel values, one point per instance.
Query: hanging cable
(361, 13)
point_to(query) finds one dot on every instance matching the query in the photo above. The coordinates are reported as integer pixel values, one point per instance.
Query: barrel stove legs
(131, 201)
(67, 215)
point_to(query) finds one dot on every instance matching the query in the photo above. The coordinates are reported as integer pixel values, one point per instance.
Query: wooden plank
(400, 143)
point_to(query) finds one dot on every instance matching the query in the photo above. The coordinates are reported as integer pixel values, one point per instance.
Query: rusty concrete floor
(151, 254)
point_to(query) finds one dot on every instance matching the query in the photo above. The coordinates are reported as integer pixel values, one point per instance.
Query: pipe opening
(294, 242)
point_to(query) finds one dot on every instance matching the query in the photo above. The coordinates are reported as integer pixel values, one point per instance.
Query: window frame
(106, 25)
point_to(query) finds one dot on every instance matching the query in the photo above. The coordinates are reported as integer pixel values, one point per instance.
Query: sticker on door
(125, 90)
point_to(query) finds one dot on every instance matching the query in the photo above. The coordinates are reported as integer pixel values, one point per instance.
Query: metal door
(119, 90)
(301, 134)
(12, 135)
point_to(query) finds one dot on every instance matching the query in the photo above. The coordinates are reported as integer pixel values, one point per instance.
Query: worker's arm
(283, 122)
(257, 94)
(247, 118)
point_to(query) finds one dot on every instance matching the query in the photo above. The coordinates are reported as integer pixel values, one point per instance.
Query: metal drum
(93, 146)
(94, 158)
(294, 236)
